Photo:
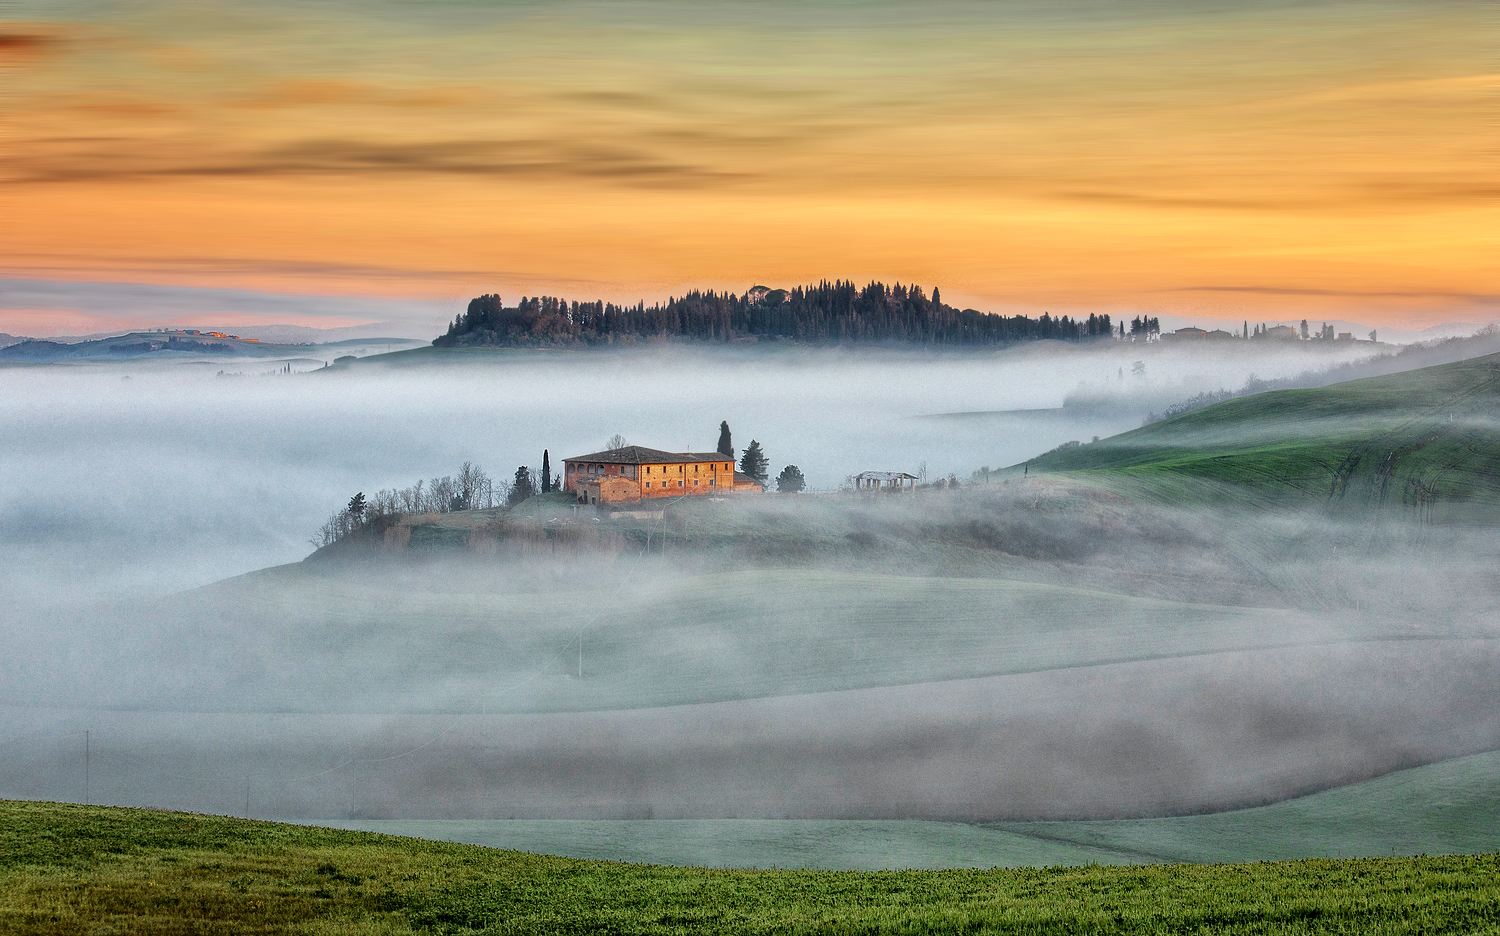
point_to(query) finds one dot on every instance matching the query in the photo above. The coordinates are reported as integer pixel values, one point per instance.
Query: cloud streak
(1031, 156)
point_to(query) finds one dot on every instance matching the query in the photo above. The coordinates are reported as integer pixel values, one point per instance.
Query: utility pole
(85, 768)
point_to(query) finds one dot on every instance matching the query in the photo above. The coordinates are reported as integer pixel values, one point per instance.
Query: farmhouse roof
(885, 476)
(640, 455)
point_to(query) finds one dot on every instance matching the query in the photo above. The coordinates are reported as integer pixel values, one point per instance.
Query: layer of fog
(175, 478)
(1149, 738)
(1095, 658)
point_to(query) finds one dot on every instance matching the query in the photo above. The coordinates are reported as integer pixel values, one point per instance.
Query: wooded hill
(829, 312)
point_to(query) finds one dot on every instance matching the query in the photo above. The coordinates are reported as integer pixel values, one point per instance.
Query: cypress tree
(726, 445)
(546, 472)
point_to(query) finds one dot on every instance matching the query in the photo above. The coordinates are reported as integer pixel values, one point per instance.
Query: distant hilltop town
(1260, 333)
(203, 334)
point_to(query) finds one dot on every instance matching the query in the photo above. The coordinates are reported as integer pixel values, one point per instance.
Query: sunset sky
(1216, 159)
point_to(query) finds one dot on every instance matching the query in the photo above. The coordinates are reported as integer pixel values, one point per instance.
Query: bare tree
(616, 441)
(471, 485)
(438, 495)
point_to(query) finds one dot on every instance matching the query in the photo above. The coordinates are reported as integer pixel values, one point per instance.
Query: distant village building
(1260, 332)
(1194, 333)
(885, 481)
(1189, 333)
(1279, 333)
(634, 473)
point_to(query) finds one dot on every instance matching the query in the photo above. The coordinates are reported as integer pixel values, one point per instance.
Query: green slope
(72, 869)
(824, 844)
(1445, 808)
(1451, 807)
(1424, 442)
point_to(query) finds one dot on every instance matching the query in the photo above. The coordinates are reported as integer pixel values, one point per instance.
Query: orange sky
(1218, 159)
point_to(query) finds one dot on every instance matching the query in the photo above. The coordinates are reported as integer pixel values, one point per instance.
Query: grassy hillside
(1451, 807)
(1443, 808)
(1423, 442)
(70, 869)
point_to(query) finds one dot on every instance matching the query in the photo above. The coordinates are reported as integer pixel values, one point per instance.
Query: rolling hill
(1447, 808)
(139, 344)
(1423, 443)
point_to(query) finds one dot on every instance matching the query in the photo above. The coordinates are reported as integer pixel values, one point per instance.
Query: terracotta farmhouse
(634, 473)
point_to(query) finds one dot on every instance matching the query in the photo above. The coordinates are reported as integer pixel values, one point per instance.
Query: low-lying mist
(1029, 648)
(1021, 647)
(175, 477)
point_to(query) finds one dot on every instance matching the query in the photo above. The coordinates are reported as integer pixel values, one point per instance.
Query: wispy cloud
(48, 307)
(1368, 293)
(1034, 154)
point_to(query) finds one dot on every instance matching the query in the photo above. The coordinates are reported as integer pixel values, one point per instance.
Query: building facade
(635, 473)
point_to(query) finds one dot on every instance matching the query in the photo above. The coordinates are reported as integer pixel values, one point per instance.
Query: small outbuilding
(889, 482)
(607, 490)
(743, 482)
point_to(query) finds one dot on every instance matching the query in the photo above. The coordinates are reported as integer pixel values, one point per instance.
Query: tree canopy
(790, 481)
(523, 487)
(829, 312)
(753, 462)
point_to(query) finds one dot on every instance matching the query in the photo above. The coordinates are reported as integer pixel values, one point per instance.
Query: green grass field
(78, 869)
(1423, 442)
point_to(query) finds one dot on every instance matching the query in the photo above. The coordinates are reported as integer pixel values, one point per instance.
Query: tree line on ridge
(829, 312)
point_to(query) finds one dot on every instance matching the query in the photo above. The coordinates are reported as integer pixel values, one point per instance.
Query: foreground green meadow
(81, 869)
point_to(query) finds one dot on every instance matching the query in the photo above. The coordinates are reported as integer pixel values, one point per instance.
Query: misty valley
(1236, 633)
(761, 468)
